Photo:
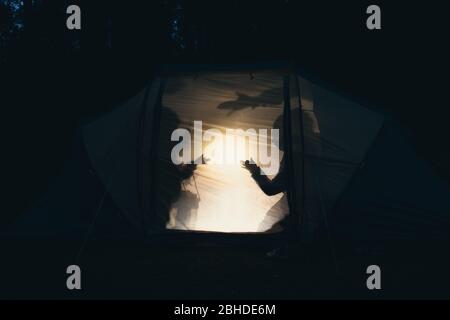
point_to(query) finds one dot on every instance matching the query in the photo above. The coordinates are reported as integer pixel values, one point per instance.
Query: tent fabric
(396, 195)
(353, 168)
(335, 135)
(113, 148)
(220, 196)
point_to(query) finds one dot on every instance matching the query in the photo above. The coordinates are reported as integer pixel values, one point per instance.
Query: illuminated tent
(324, 141)
(349, 169)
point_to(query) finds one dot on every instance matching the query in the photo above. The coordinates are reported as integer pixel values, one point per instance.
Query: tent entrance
(220, 195)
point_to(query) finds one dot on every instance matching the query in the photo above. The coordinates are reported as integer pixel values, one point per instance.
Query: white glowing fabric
(224, 197)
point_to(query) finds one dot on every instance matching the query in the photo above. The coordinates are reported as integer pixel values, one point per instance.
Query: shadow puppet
(267, 98)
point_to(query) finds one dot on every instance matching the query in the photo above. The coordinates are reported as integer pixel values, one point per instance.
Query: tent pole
(287, 134)
(142, 173)
(301, 214)
(154, 150)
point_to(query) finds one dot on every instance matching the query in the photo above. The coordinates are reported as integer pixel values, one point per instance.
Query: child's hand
(250, 166)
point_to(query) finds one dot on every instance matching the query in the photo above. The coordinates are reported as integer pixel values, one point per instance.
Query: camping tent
(325, 139)
(347, 167)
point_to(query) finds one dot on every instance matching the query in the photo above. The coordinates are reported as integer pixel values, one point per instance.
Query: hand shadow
(267, 98)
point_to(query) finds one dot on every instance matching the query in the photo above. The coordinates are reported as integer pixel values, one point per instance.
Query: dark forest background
(52, 79)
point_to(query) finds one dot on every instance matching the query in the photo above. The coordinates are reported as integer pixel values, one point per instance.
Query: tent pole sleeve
(290, 188)
(303, 152)
(153, 146)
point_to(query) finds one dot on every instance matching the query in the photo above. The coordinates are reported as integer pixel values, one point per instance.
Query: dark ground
(129, 271)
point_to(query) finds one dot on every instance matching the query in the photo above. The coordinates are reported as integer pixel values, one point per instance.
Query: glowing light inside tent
(224, 197)
(230, 148)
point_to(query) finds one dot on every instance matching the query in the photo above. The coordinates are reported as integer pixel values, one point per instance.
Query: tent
(348, 168)
(325, 142)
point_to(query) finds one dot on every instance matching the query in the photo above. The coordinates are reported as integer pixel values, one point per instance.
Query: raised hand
(250, 166)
